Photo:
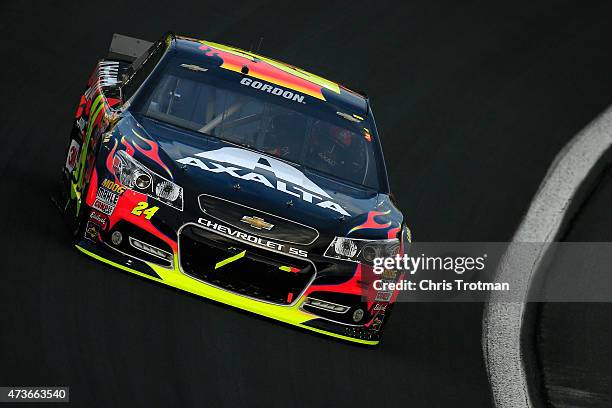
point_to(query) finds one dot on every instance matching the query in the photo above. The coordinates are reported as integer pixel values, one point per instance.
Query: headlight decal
(167, 190)
(345, 247)
(135, 176)
(362, 250)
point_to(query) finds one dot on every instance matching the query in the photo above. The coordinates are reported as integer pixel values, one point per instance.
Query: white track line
(502, 321)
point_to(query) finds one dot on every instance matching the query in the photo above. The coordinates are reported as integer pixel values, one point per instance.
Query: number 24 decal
(143, 208)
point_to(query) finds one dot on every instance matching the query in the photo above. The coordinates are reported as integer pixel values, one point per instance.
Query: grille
(241, 268)
(233, 213)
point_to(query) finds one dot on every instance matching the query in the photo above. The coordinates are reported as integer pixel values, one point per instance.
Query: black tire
(77, 222)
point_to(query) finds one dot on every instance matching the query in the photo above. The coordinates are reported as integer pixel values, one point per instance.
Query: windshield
(329, 141)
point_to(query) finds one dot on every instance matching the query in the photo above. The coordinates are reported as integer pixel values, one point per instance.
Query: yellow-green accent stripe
(115, 264)
(229, 260)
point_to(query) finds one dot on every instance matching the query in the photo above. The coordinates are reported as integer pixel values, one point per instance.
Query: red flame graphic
(128, 147)
(110, 159)
(371, 222)
(152, 152)
(392, 233)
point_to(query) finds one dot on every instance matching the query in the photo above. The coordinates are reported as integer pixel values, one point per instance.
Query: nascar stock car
(234, 177)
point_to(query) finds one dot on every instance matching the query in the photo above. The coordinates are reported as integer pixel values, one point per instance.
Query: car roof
(272, 71)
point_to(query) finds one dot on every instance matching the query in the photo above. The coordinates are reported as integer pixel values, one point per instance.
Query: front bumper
(292, 314)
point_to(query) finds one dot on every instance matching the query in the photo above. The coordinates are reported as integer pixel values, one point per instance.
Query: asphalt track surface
(472, 100)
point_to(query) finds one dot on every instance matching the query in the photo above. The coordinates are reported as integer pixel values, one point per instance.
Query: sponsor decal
(383, 296)
(377, 322)
(274, 90)
(92, 231)
(107, 75)
(381, 307)
(81, 123)
(252, 239)
(194, 67)
(112, 186)
(73, 155)
(98, 218)
(107, 196)
(106, 201)
(351, 118)
(103, 207)
(269, 172)
(389, 274)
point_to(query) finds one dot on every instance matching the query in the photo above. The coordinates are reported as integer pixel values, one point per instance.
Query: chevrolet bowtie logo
(257, 223)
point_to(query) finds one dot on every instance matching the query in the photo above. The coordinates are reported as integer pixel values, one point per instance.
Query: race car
(235, 177)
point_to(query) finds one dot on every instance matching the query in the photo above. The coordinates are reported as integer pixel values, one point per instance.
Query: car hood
(221, 170)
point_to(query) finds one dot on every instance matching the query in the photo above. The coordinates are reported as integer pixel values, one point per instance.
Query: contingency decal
(98, 218)
(73, 155)
(243, 164)
(92, 231)
(107, 197)
(114, 187)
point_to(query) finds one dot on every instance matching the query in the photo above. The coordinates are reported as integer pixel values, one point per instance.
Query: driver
(329, 144)
(282, 138)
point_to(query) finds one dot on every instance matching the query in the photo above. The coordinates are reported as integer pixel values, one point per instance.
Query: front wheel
(77, 221)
